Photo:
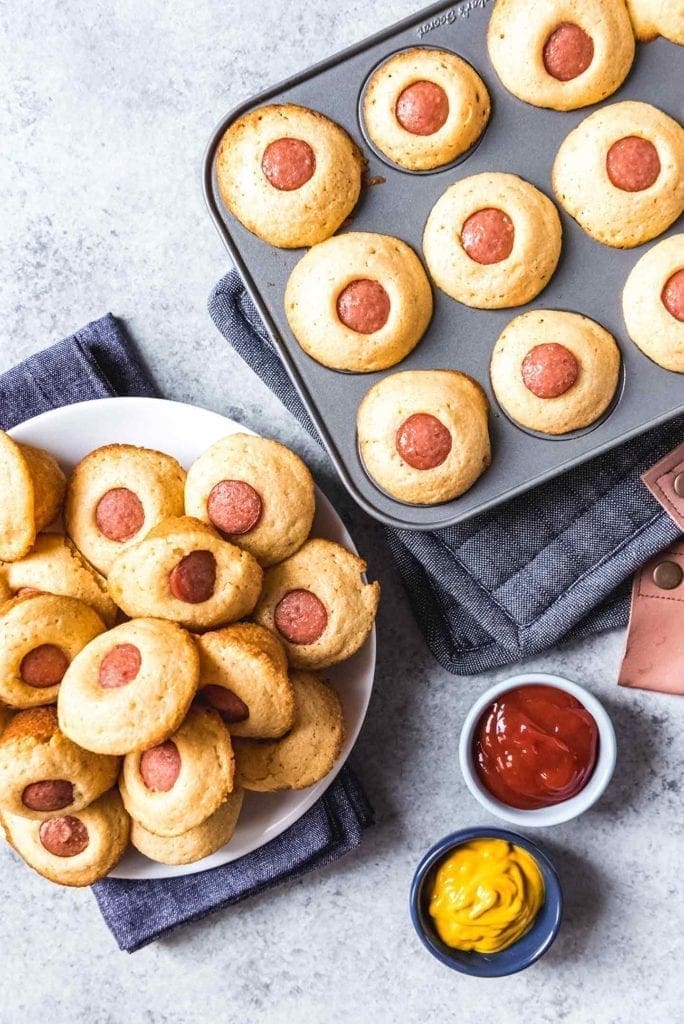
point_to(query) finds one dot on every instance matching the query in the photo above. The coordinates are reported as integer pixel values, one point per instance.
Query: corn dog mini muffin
(6, 716)
(424, 108)
(318, 604)
(116, 494)
(653, 303)
(185, 572)
(43, 773)
(620, 173)
(256, 492)
(289, 174)
(243, 676)
(492, 240)
(72, 849)
(308, 752)
(55, 566)
(195, 844)
(553, 371)
(561, 54)
(130, 688)
(40, 635)
(423, 434)
(651, 18)
(359, 302)
(174, 786)
(32, 486)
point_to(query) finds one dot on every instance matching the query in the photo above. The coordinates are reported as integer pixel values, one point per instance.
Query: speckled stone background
(106, 108)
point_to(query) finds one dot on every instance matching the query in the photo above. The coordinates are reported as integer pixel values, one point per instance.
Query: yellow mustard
(486, 895)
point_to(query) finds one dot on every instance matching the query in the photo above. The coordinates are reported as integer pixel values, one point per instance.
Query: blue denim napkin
(551, 564)
(96, 362)
(140, 912)
(99, 362)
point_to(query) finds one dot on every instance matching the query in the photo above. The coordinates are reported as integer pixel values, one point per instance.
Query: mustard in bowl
(486, 902)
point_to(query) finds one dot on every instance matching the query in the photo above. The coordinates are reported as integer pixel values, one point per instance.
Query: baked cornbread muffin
(651, 18)
(185, 572)
(424, 108)
(72, 849)
(620, 173)
(174, 786)
(195, 844)
(6, 716)
(256, 492)
(42, 773)
(116, 494)
(289, 174)
(32, 487)
(423, 434)
(359, 302)
(243, 675)
(561, 54)
(318, 604)
(308, 752)
(653, 303)
(553, 371)
(40, 635)
(130, 688)
(55, 566)
(492, 240)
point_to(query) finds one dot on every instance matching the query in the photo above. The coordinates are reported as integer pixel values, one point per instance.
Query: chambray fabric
(140, 912)
(99, 361)
(96, 362)
(551, 564)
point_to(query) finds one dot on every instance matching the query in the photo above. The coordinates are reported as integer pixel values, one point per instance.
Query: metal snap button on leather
(667, 575)
(678, 485)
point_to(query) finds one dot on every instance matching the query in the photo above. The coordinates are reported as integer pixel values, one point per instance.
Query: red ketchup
(535, 746)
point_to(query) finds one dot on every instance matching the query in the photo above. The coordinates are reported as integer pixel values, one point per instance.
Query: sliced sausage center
(673, 295)
(363, 306)
(288, 164)
(160, 767)
(487, 236)
(119, 514)
(194, 578)
(48, 795)
(228, 704)
(44, 666)
(549, 370)
(423, 441)
(633, 164)
(64, 837)
(120, 666)
(234, 507)
(568, 51)
(422, 108)
(300, 617)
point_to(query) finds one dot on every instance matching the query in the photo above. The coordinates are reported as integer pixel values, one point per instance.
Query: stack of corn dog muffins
(159, 655)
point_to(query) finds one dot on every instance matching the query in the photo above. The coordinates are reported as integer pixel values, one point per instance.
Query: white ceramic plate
(184, 431)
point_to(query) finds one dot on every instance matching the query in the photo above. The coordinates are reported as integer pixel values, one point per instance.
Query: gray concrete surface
(104, 113)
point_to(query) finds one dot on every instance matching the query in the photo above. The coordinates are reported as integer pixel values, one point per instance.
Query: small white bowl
(567, 809)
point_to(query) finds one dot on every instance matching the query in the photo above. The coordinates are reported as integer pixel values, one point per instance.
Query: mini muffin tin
(590, 277)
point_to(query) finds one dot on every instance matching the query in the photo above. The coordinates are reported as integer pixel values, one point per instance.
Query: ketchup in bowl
(535, 746)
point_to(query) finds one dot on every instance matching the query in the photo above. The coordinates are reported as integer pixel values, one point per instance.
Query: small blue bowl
(522, 953)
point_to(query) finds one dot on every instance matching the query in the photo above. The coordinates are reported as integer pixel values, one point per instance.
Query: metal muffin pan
(590, 277)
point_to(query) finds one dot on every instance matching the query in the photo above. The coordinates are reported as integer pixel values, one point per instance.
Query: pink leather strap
(665, 481)
(654, 655)
(654, 652)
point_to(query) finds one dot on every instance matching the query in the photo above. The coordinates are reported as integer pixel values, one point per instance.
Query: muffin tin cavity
(424, 109)
(569, 434)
